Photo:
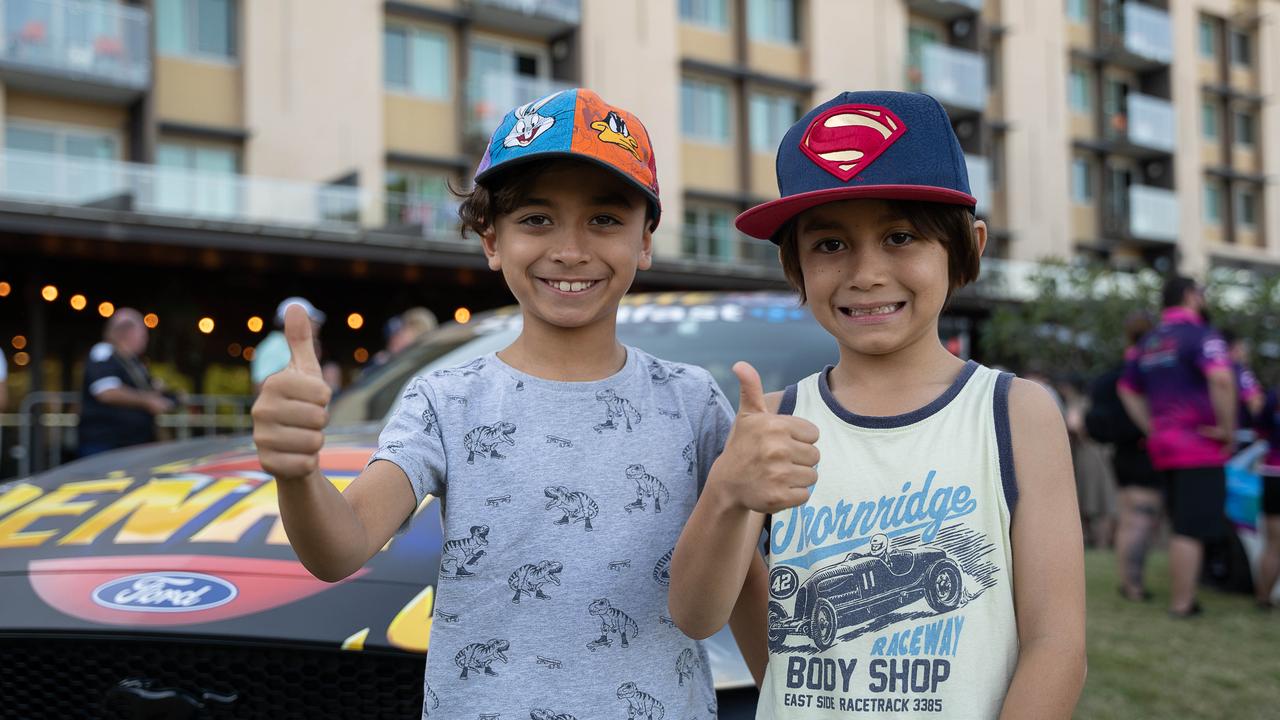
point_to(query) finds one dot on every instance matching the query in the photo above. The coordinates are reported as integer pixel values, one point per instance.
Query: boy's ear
(489, 241)
(646, 249)
(980, 235)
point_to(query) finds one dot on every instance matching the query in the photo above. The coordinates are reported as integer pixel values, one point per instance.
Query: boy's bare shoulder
(1030, 402)
(773, 401)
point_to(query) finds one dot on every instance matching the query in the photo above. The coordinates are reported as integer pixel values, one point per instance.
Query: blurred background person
(409, 326)
(1140, 494)
(272, 354)
(119, 400)
(1268, 426)
(4, 379)
(1179, 388)
(401, 331)
(1091, 461)
(1248, 389)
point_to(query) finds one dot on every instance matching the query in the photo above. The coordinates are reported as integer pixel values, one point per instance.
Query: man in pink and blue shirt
(1180, 389)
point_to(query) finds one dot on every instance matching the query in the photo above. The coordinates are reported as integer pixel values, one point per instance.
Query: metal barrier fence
(46, 422)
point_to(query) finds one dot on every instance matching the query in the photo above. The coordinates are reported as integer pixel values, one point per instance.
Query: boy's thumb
(751, 398)
(302, 348)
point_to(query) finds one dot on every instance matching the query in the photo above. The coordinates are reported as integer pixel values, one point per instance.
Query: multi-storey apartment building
(203, 158)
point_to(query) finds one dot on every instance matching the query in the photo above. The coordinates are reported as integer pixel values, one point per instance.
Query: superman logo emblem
(845, 139)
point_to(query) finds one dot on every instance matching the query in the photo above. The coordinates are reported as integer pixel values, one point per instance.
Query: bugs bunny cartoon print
(529, 123)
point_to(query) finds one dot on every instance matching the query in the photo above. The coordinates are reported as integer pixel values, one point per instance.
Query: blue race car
(862, 587)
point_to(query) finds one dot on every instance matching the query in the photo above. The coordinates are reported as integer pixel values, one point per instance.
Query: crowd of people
(1171, 414)
(120, 399)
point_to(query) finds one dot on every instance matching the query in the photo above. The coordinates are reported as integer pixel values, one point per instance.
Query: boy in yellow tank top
(923, 555)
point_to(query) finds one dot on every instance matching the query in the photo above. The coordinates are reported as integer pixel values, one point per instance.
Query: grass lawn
(1142, 664)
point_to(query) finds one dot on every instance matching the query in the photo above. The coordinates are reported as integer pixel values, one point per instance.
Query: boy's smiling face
(872, 280)
(570, 249)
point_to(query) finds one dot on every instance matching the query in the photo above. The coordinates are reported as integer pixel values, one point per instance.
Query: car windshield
(768, 330)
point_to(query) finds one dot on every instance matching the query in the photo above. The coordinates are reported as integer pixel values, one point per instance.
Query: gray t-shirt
(561, 504)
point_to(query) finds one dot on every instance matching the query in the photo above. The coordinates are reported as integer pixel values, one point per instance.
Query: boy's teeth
(566, 286)
(882, 310)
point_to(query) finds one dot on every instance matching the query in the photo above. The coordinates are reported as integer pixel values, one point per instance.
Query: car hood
(185, 539)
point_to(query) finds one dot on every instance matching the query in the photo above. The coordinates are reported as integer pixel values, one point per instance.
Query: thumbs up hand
(289, 416)
(769, 462)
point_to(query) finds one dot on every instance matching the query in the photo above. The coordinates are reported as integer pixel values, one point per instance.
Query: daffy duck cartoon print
(613, 129)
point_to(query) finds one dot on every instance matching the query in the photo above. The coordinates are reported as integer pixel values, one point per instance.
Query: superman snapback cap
(874, 144)
(575, 124)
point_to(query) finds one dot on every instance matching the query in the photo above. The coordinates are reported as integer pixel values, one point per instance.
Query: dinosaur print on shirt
(529, 579)
(640, 704)
(484, 441)
(457, 554)
(479, 656)
(612, 620)
(616, 408)
(646, 486)
(576, 506)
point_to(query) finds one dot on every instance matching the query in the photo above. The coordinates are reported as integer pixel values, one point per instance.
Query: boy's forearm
(750, 619)
(324, 531)
(710, 563)
(1047, 681)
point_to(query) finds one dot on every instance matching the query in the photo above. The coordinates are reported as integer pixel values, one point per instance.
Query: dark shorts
(1271, 494)
(1196, 499)
(1133, 469)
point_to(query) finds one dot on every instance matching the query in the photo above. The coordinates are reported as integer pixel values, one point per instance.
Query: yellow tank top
(890, 590)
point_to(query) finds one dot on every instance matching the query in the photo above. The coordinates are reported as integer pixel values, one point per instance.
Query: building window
(421, 198)
(1081, 181)
(772, 20)
(1078, 11)
(416, 61)
(68, 163)
(771, 117)
(1208, 39)
(1209, 119)
(75, 142)
(198, 180)
(710, 13)
(704, 111)
(197, 28)
(1241, 49)
(918, 39)
(1080, 91)
(199, 158)
(1246, 208)
(1244, 129)
(707, 233)
(1212, 203)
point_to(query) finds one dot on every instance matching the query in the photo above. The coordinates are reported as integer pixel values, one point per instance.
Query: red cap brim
(763, 221)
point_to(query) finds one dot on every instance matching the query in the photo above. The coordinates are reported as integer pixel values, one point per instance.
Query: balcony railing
(1153, 213)
(980, 181)
(954, 76)
(1142, 30)
(1151, 122)
(82, 41)
(62, 180)
(1146, 122)
(491, 96)
(565, 11)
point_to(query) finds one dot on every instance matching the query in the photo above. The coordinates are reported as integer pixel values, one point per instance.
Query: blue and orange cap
(874, 144)
(579, 125)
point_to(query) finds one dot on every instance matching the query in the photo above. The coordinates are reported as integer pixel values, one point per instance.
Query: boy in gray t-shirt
(566, 464)
(562, 502)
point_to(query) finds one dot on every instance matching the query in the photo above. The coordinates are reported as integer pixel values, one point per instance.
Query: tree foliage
(1073, 325)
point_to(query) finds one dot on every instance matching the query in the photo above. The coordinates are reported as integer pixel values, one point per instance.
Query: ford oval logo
(168, 592)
